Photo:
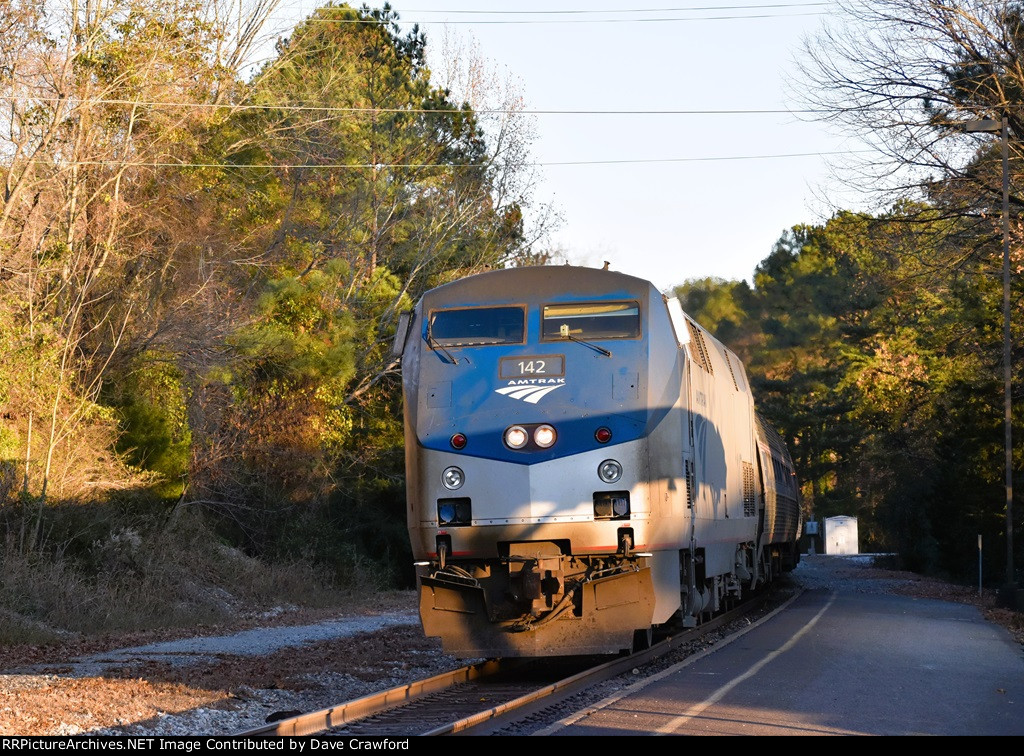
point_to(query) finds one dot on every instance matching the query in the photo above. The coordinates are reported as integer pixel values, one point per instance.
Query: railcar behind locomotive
(584, 463)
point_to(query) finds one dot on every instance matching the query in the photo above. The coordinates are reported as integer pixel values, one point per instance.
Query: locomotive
(584, 465)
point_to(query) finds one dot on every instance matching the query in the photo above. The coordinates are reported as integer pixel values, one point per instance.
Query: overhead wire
(583, 11)
(485, 111)
(538, 163)
(591, 11)
(489, 111)
(424, 111)
(579, 12)
(372, 22)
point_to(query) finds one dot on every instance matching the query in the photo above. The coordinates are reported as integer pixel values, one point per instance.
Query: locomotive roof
(513, 284)
(772, 438)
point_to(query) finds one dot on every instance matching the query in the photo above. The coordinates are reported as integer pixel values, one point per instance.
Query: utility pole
(1008, 593)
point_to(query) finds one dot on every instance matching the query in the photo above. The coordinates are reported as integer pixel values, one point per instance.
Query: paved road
(834, 662)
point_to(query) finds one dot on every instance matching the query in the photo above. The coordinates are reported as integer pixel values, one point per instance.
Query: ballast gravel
(230, 683)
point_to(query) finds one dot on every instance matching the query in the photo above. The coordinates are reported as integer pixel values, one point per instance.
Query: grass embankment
(91, 576)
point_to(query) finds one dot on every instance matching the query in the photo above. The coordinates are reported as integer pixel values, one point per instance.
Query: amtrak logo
(532, 390)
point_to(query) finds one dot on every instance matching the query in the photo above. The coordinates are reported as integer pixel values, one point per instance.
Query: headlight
(611, 505)
(453, 478)
(609, 471)
(544, 436)
(516, 437)
(454, 512)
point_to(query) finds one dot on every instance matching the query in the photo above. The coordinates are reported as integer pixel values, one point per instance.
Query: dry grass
(139, 578)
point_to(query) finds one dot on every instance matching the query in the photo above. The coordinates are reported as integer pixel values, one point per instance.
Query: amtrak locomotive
(584, 464)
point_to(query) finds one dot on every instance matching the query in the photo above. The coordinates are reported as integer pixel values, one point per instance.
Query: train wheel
(643, 639)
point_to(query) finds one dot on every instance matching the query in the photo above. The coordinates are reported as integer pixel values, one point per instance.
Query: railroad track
(483, 697)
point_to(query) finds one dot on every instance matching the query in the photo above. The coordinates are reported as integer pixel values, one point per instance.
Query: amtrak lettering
(531, 390)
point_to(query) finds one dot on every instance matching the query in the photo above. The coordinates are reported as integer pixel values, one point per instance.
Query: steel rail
(336, 716)
(323, 721)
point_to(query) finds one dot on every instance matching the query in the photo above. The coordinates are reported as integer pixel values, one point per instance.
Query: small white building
(841, 535)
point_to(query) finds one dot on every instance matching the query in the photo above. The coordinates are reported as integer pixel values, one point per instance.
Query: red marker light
(603, 435)
(458, 441)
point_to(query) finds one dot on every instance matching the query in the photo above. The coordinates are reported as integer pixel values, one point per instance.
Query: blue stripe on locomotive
(576, 408)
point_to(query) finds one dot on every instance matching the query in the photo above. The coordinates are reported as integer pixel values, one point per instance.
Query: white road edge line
(640, 684)
(718, 695)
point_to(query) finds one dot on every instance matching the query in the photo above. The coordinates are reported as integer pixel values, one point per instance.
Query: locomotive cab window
(591, 320)
(477, 326)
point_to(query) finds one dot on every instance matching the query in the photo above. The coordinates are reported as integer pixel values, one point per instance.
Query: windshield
(478, 325)
(591, 320)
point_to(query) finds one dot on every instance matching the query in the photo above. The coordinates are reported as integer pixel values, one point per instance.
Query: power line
(546, 22)
(313, 17)
(705, 159)
(422, 111)
(366, 166)
(625, 10)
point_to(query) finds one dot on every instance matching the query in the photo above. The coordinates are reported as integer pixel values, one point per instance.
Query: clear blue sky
(719, 200)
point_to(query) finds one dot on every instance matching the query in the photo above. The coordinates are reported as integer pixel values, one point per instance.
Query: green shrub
(150, 400)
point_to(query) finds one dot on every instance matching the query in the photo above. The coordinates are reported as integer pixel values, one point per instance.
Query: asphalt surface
(842, 659)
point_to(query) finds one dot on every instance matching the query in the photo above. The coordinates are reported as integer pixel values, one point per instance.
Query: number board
(540, 366)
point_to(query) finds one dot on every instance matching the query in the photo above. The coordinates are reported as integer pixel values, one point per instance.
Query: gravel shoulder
(232, 679)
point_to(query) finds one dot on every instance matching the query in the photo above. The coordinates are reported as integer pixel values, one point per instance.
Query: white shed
(841, 535)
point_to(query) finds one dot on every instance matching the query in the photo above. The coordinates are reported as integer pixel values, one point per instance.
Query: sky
(666, 196)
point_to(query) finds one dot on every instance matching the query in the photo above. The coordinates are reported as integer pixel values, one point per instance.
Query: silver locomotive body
(583, 464)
